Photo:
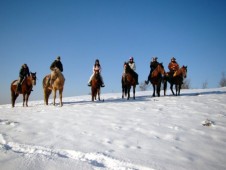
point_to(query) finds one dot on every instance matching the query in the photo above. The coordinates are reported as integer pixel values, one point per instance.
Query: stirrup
(102, 85)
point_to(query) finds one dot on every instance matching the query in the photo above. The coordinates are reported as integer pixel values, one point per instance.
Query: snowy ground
(161, 133)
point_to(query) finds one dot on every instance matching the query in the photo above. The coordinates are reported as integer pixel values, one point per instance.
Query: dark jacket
(153, 65)
(24, 72)
(57, 64)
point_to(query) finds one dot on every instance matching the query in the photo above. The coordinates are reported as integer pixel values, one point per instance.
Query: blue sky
(80, 31)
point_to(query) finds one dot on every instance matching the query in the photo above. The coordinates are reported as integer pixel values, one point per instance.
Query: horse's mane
(161, 64)
(128, 68)
(58, 73)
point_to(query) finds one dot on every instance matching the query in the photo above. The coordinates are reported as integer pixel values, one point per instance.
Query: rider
(96, 66)
(56, 64)
(153, 64)
(133, 67)
(24, 72)
(173, 67)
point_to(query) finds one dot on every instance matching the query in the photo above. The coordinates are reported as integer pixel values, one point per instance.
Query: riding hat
(131, 58)
(173, 59)
(154, 58)
(97, 61)
(58, 58)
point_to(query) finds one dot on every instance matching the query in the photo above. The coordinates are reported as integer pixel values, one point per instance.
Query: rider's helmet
(173, 59)
(154, 58)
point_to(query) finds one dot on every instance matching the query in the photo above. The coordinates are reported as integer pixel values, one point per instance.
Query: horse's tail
(13, 93)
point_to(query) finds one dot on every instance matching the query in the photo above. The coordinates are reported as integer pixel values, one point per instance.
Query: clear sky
(80, 31)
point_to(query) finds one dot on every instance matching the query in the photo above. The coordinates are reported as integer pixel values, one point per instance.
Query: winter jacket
(24, 72)
(153, 65)
(132, 65)
(173, 66)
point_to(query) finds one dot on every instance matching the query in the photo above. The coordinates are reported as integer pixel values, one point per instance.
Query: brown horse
(58, 84)
(96, 85)
(128, 80)
(26, 88)
(156, 79)
(176, 78)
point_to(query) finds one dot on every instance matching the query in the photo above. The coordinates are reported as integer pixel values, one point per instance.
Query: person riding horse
(133, 67)
(56, 64)
(153, 64)
(96, 66)
(173, 67)
(24, 72)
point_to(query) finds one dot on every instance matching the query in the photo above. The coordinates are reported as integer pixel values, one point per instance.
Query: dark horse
(156, 79)
(26, 88)
(128, 80)
(96, 85)
(58, 84)
(177, 79)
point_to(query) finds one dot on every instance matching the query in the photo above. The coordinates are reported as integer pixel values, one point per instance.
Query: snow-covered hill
(185, 132)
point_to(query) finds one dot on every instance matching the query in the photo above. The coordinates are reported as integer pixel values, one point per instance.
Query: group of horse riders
(173, 66)
(24, 72)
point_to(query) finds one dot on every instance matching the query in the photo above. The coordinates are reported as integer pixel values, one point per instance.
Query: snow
(161, 133)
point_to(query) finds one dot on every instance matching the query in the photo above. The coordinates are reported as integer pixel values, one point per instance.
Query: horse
(96, 85)
(176, 78)
(58, 84)
(128, 80)
(26, 88)
(156, 79)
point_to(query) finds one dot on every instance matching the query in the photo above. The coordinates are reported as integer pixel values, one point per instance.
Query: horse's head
(33, 78)
(127, 68)
(96, 71)
(184, 71)
(161, 68)
(55, 73)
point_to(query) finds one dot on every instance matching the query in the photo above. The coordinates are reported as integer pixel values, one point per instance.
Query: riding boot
(136, 77)
(137, 80)
(102, 82)
(18, 88)
(89, 83)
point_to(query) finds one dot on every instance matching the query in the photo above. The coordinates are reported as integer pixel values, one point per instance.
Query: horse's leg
(158, 89)
(179, 88)
(26, 98)
(153, 95)
(128, 92)
(171, 88)
(61, 96)
(23, 99)
(176, 87)
(164, 86)
(123, 89)
(13, 97)
(54, 97)
(48, 92)
(92, 94)
(98, 92)
(45, 96)
(134, 91)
